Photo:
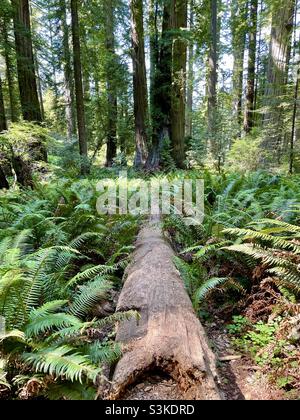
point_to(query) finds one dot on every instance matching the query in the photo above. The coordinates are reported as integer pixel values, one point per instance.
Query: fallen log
(168, 337)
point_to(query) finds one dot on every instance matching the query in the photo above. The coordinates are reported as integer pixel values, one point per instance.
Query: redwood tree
(279, 55)
(250, 94)
(83, 146)
(213, 79)
(68, 73)
(139, 82)
(178, 96)
(25, 62)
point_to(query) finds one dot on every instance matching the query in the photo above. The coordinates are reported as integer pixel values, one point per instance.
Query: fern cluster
(276, 244)
(259, 209)
(59, 261)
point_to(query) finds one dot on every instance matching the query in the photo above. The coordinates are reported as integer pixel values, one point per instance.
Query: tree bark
(9, 71)
(282, 26)
(25, 62)
(239, 11)
(154, 47)
(68, 74)
(112, 99)
(162, 88)
(191, 76)
(250, 93)
(23, 172)
(139, 83)
(213, 80)
(178, 97)
(4, 185)
(83, 145)
(3, 122)
(39, 83)
(169, 336)
(293, 134)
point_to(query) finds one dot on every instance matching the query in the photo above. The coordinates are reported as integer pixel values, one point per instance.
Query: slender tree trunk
(282, 27)
(191, 76)
(9, 73)
(238, 23)
(139, 82)
(111, 85)
(293, 135)
(250, 94)
(68, 74)
(83, 145)
(39, 83)
(25, 62)
(213, 80)
(3, 123)
(178, 97)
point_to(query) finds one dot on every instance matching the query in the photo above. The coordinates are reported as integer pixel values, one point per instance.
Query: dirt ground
(239, 378)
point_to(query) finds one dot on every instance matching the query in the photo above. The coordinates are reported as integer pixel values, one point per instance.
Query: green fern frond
(276, 241)
(104, 353)
(90, 273)
(46, 323)
(89, 296)
(266, 255)
(47, 309)
(206, 288)
(286, 227)
(63, 362)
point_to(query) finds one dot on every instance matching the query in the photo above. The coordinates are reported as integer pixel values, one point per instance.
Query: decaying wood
(23, 172)
(169, 336)
(3, 181)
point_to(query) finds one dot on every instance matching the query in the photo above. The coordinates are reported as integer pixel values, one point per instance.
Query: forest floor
(240, 378)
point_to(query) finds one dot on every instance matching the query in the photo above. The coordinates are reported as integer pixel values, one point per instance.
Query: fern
(89, 296)
(277, 248)
(63, 362)
(205, 289)
(43, 324)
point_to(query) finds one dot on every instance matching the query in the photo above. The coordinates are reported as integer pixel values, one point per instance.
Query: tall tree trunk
(3, 123)
(111, 84)
(68, 74)
(294, 120)
(250, 94)
(9, 72)
(83, 145)
(178, 97)
(239, 11)
(213, 80)
(25, 62)
(139, 82)
(39, 83)
(162, 87)
(282, 26)
(191, 76)
(154, 46)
